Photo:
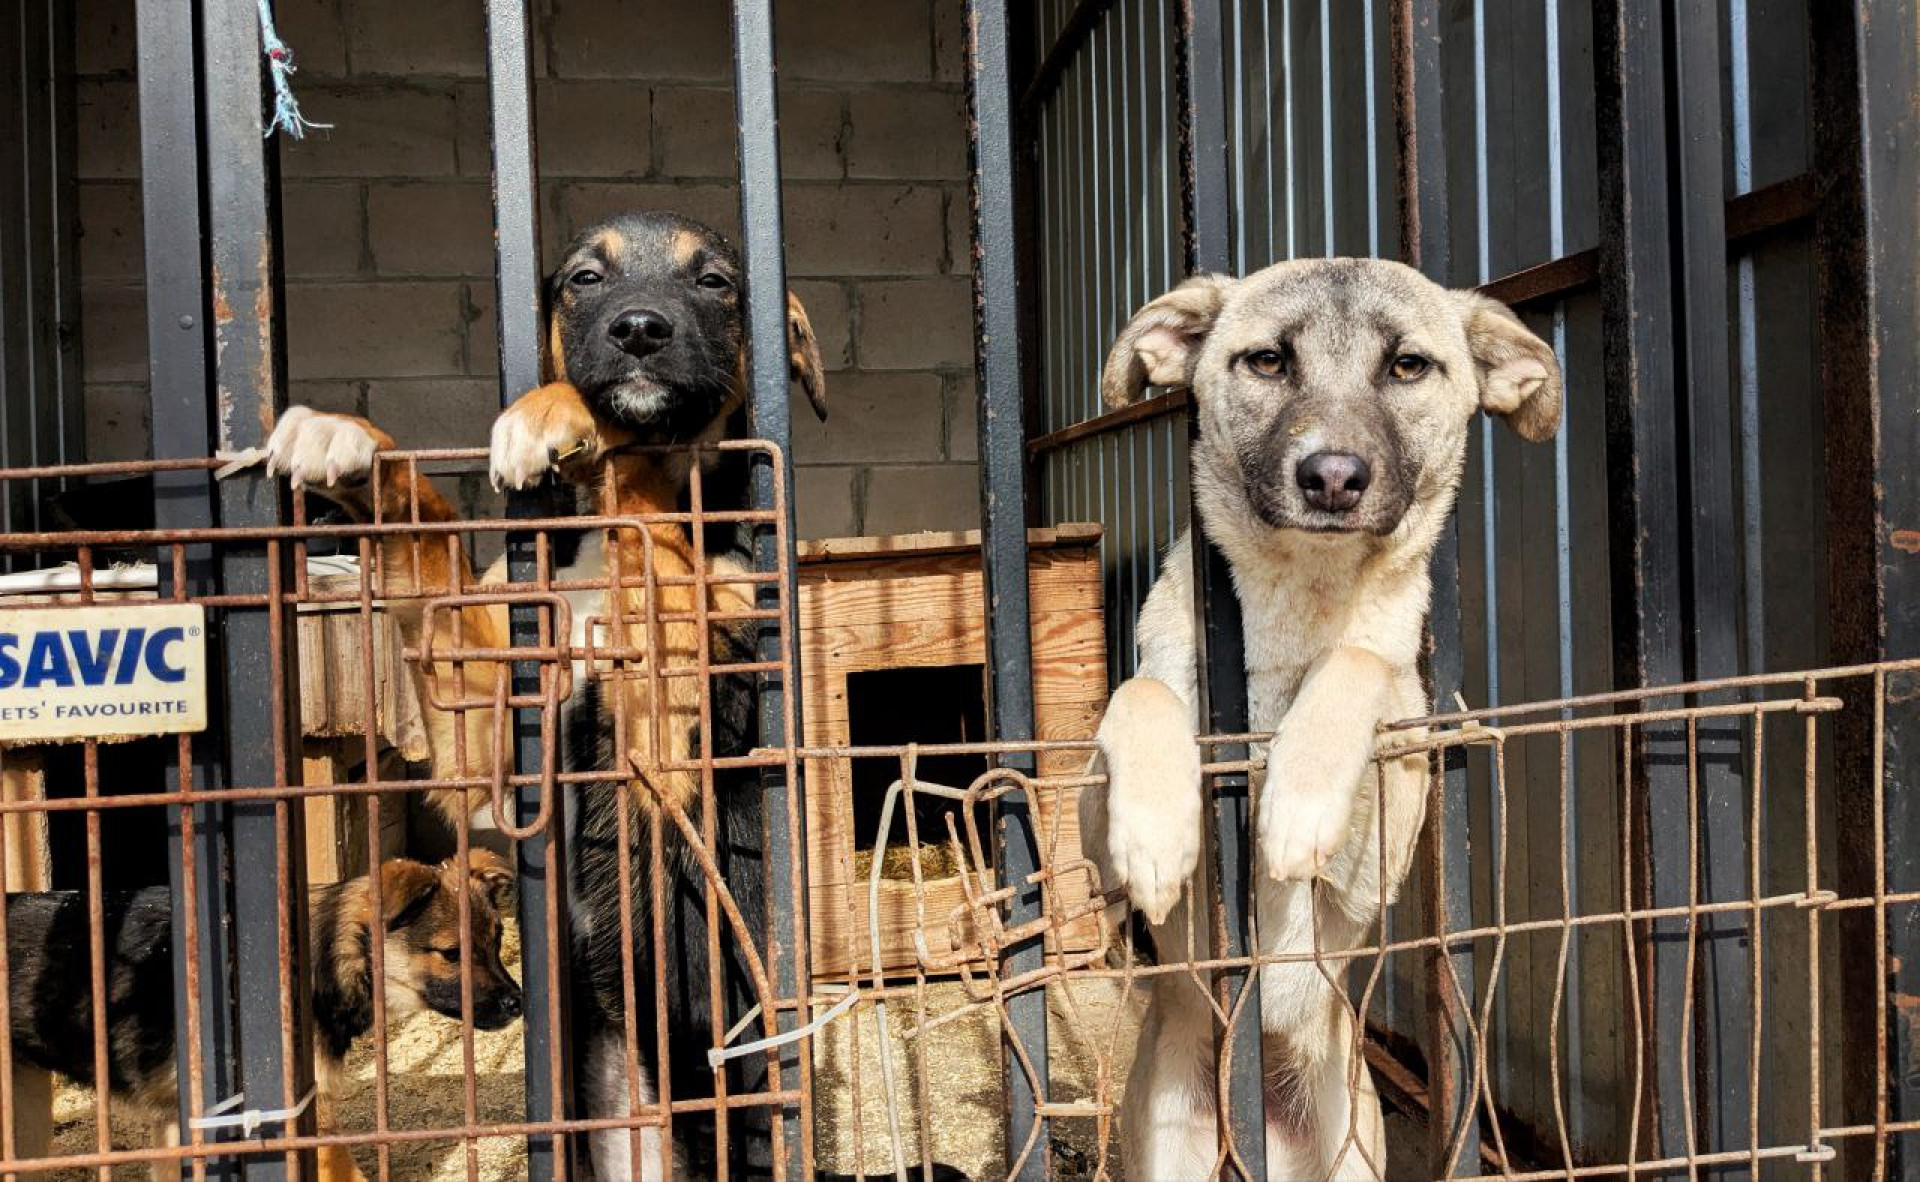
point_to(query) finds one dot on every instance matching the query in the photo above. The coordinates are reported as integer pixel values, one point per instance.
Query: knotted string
(286, 109)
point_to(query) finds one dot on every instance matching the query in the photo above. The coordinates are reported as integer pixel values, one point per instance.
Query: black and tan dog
(51, 1007)
(645, 347)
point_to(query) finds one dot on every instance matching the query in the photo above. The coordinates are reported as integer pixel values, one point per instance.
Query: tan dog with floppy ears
(1334, 398)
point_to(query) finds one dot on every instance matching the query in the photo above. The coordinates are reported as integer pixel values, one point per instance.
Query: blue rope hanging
(286, 109)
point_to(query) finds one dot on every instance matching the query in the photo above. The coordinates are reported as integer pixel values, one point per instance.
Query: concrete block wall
(388, 232)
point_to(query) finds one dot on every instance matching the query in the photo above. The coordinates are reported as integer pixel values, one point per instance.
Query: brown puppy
(645, 347)
(52, 1022)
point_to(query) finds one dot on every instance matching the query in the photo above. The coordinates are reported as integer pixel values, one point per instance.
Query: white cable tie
(248, 1122)
(237, 461)
(719, 1055)
(745, 1021)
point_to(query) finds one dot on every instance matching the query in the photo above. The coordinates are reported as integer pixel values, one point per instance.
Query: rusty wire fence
(902, 1065)
(657, 624)
(1814, 924)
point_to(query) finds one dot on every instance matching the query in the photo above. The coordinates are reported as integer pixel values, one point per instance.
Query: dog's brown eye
(1268, 363)
(584, 277)
(1408, 366)
(714, 281)
(452, 954)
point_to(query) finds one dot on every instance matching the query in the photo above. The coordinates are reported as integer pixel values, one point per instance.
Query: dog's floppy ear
(803, 356)
(1519, 375)
(342, 967)
(405, 888)
(1160, 344)
(490, 872)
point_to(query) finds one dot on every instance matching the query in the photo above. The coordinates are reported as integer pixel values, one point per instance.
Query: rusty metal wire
(909, 1075)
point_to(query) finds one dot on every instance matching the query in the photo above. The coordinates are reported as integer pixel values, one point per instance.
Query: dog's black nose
(640, 331)
(510, 1005)
(1333, 480)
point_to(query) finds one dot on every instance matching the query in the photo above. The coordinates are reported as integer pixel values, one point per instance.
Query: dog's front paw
(1153, 795)
(324, 451)
(545, 430)
(1302, 830)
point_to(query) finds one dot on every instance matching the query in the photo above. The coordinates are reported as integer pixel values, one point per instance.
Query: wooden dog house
(893, 650)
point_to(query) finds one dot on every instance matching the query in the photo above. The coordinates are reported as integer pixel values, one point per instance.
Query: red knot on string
(286, 109)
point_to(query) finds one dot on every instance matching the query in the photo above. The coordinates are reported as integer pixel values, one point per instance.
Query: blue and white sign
(108, 671)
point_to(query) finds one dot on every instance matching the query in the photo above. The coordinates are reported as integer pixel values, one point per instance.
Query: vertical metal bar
(542, 860)
(1206, 169)
(1753, 547)
(63, 310)
(1368, 22)
(16, 315)
(1724, 1014)
(1003, 516)
(262, 733)
(1028, 212)
(43, 230)
(1329, 247)
(1866, 69)
(1574, 1038)
(755, 99)
(1419, 110)
(1642, 366)
(177, 373)
(1290, 172)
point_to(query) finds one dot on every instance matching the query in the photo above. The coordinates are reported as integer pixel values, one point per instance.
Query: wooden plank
(930, 589)
(29, 856)
(336, 828)
(32, 1105)
(935, 542)
(333, 674)
(29, 868)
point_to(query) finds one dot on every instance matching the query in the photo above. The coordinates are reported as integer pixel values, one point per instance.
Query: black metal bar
(542, 860)
(62, 311)
(1206, 200)
(177, 371)
(1003, 519)
(770, 416)
(1065, 48)
(47, 228)
(261, 732)
(1722, 1030)
(1419, 98)
(16, 314)
(1648, 555)
(1029, 216)
(1866, 69)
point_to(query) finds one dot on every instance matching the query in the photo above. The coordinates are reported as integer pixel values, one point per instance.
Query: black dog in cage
(645, 351)
(50, 966)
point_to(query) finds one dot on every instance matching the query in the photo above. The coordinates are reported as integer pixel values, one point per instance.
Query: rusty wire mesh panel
(903, 1069)
(654, 650)
(914, 1094)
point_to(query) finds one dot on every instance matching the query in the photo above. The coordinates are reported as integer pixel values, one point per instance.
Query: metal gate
(1687, 885)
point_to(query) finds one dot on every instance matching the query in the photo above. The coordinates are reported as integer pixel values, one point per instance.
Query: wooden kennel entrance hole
(931, 704)
(893, 651)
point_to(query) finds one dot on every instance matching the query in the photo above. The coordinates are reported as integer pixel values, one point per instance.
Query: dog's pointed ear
(490, 872)
(803, 356)
(1159, 346)
(405, 888)
(1518, 374)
